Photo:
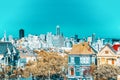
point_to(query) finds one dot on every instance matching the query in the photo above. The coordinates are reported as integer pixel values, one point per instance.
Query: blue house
(80, 59)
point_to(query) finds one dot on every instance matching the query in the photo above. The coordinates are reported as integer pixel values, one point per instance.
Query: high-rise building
(57, 30)
(21, 33)
(49, 39)
(93, 38)
(43, 37)
(10, 39)
(58, 41)
(5, 38)
(76, 38)
(89, 39)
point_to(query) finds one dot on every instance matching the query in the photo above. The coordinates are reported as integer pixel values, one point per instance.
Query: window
(85, 71)
(77, 71)
(69, 59)
(81, 60)
(103, 59)
(72, 59)
(9, 60)
(106, 52)
(77, 60)
(107, 61)
(112, 61)
(85, 60)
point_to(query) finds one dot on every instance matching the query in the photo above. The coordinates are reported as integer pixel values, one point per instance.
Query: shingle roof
(82, 48)
(110, 46)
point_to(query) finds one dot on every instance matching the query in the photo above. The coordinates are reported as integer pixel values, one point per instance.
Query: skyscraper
(57, 30)
(5, 38)
(21, 33)
(93, 37)
(76, 38)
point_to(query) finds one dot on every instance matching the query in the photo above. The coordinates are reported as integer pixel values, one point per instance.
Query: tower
(57, 30)
(21, 33)
(5, 38)
(93, 37)
(76, 38)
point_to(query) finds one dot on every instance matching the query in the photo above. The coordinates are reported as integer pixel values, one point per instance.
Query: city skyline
(74, 17)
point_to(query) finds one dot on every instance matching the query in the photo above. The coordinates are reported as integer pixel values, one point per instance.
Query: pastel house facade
(107, 55)
(79, 61)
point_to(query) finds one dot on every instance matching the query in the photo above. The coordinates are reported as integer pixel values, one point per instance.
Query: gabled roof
(108, 45)
(110, 51)
(4, 47)
(82, 48)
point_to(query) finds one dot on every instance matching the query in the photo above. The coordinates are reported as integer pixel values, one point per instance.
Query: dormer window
(106, 52)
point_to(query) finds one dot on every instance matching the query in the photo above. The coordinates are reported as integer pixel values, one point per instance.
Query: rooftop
(4, 46)
(82, 48)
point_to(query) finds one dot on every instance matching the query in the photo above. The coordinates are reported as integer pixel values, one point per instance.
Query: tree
(106, 72)
(48, 64)
(93, 67)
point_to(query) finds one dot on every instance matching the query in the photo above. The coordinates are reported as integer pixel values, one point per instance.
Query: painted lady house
(81, 57)
(107, 55)
(116, 47)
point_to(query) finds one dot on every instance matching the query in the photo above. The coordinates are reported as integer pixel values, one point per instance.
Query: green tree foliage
(48, 63)
(106, 72)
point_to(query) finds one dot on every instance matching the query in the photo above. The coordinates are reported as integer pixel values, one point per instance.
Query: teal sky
(82, 17)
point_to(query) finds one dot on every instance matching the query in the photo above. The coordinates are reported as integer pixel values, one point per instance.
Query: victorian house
(107, 55)
(9, 55)
(80, 59)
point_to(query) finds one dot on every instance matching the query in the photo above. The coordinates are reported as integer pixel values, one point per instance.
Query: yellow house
(107, 55)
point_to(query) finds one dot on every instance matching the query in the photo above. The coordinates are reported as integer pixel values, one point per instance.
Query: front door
(72, 71)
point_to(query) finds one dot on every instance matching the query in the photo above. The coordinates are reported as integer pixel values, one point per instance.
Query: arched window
(72, 71)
